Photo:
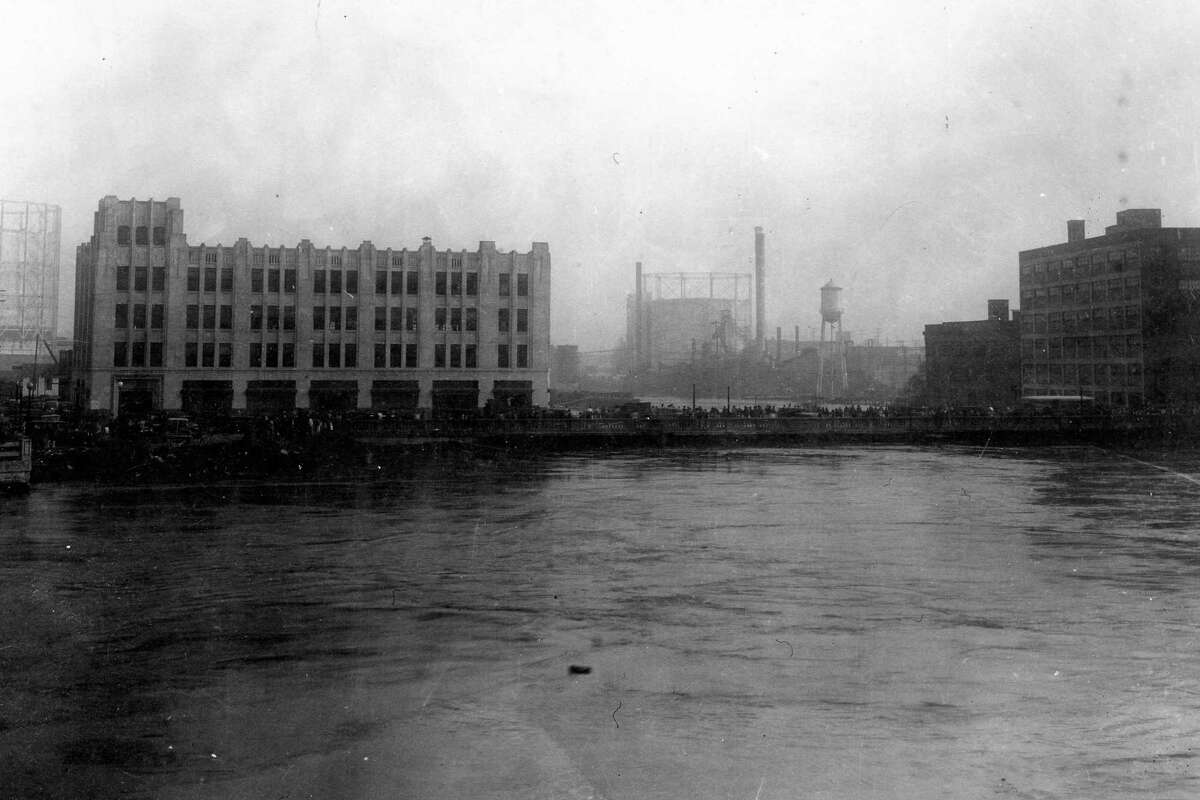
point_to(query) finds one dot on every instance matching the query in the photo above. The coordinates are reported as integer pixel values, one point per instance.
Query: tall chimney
(760, 289)
(1075, 230)
(778, 343)
(637, 320)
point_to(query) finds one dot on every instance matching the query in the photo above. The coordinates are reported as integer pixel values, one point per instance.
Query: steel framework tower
(29, 262)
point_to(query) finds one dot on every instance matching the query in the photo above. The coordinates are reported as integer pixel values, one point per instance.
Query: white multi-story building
(163, 324)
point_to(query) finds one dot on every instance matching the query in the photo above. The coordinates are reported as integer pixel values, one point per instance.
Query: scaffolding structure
(673, 314)
(30, 251)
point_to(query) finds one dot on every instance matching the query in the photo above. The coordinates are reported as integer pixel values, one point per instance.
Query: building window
(318, 318)
(397, 355)
(258, 259)
(380, 355)
(256, 318)
(456, 283)
(456, 356)
(191, 354)
(318, 355)
(226, 317)
(397, 260)
(156, 354)
(158, 279)
(335, 356)
(139, 316)
(352, 318)
(472, 284)
(122, 238)
(472, 319)
(122, 279)
(335, 260)
(256, 280)
(381, 318)
(156, 316)
(351, 360)
(470, 360)
(412, 282)
(160, 235)
(439, 319)
(412, 356)
(335, 281)
(335, 319)
(397, 283)
(273, 258)
(289, 318)
(410, 319)
(439, 355)
(272, 355)
(439, 283)
(193, 279)
(456, 320)
(522, 285)
(381, 281)
(227, 279)
(502, 356)
(193, 317)
(224, 354)
(210, 258)
(121, 317)
(207, 351)
(522, 356)
(289, 355)
(210, 279)
(522, 320)
(289, 281)
(120, 354)
(318, 281)
(456, 262)
(505, 285)
(502, 320)
(273, 280)
(210, 317)
(141, 235)
(272, 318)
(141, 277)
(139, 355)
(396, 319)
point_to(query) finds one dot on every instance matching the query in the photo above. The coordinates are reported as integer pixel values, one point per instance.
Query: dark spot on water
(579, 669)
(114, 752)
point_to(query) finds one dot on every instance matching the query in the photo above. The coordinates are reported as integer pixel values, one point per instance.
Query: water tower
(831, 353)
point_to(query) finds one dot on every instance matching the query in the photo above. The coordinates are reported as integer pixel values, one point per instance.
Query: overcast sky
(906, 150)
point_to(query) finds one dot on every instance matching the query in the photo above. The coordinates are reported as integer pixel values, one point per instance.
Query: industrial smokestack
(637, 320)
(760, 300)
(778, 344)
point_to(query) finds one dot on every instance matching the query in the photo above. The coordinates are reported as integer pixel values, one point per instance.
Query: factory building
(974, 363)
(1114, 317)
(164, 324)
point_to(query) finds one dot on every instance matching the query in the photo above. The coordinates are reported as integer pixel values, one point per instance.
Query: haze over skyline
(907, 151)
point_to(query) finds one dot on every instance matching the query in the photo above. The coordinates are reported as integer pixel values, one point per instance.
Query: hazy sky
(906, 150)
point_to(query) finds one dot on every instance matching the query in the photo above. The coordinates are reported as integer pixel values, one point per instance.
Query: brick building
(974, 363)
(1114, 317)
(162, 324)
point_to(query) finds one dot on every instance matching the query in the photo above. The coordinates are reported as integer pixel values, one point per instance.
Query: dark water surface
(844, 623)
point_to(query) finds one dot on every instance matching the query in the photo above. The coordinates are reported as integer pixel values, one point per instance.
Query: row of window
(1081, 293)
(143, 278)
(1081, 347)
(333, 318)
(1082, 374)
(1079, 266)
(141, 235)
(320, 257)
(272, 355)
(326, 281)
(1092, 319)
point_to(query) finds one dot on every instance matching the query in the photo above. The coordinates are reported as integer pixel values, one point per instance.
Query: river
(763, 623)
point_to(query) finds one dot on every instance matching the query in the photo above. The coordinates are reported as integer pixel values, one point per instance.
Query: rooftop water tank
(831, 302)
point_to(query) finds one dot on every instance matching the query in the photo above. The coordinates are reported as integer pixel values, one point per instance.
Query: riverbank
(374, 444)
